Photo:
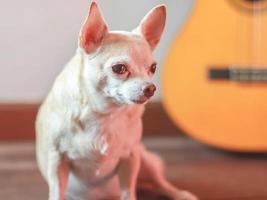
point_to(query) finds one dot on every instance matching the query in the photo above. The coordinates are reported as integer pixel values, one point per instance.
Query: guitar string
(250, 52)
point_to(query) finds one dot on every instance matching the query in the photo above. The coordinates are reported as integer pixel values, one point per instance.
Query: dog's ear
(152, 25)
(93, 30)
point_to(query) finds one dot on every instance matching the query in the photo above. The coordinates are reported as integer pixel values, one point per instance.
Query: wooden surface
(209, 173)
(17, 121)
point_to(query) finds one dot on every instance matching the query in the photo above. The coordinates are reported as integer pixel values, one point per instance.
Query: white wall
(39, 36)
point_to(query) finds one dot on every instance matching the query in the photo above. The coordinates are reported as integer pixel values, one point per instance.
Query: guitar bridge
(238, 74)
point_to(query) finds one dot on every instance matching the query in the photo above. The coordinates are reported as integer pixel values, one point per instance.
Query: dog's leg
(57, 176)
(63, 178)
(152, 171)
(127, 172)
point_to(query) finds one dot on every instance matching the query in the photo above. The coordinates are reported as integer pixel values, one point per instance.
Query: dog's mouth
(141, 100)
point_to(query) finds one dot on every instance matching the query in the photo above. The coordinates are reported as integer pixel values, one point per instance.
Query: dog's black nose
(149, 90)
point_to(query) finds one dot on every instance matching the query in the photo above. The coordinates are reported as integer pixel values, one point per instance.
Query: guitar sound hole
(250, 6)
(253, 1)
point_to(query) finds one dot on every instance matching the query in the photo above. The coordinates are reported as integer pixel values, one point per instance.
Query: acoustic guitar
(215, 76)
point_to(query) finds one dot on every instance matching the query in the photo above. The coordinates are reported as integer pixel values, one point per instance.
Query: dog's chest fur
(97, 144)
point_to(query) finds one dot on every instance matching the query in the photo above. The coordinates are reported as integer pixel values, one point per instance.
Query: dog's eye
(153, 68)
(119, 68)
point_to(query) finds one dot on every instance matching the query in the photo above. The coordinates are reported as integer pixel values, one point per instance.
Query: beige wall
(39, 36)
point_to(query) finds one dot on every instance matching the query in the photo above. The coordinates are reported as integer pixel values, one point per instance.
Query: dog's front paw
(126, 195)
(185, 195)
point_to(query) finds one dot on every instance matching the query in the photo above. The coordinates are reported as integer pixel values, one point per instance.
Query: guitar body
(227, 114)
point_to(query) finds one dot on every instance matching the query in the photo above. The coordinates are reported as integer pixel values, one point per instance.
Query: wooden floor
(209, 173)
